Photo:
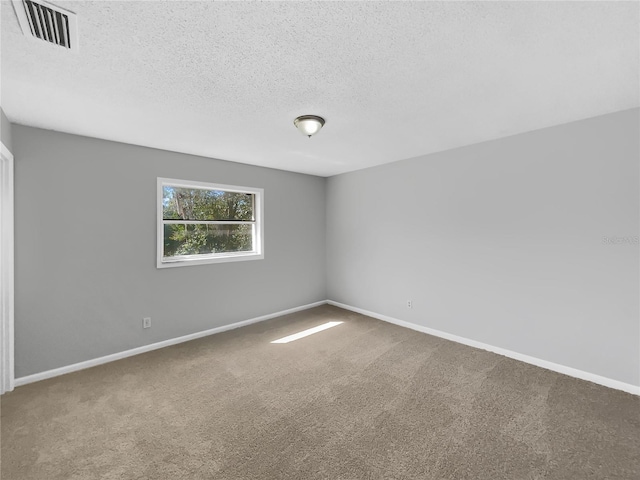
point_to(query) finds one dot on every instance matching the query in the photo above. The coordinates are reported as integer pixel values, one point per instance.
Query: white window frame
(186, 260)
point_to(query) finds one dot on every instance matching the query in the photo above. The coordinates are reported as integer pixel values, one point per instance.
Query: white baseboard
(154, 346)
(572, 372)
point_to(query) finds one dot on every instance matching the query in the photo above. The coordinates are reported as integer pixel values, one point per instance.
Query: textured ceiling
(393, 80)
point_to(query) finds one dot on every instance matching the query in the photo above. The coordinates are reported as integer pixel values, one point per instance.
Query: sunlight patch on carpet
(306, 333)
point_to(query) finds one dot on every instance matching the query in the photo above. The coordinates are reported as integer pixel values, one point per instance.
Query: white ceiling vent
(41, 20)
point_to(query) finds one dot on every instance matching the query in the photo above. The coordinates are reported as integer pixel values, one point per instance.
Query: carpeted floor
(362, 400)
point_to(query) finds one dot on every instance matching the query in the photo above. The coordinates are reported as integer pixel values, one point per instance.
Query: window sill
(206, 259)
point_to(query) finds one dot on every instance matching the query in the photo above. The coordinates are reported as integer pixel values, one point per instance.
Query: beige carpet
(363, 400)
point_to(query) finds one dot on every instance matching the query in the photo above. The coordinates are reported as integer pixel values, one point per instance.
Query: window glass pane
(197, 204)
(206, 239)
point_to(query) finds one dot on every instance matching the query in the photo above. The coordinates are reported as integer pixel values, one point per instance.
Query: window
(207, 223)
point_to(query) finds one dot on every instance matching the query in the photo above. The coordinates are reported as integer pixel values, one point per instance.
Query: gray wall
(86, 249)
(502, 243)
(5, 131)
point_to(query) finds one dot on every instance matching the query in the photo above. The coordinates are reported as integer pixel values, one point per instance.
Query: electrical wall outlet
(409, 304)
(146, 322)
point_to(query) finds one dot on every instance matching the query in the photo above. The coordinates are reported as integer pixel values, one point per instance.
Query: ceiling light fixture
(309, 124)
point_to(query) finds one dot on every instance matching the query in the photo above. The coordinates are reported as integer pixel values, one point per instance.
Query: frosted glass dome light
(309, 124)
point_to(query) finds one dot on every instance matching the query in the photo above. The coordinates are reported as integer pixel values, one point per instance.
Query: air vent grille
(47, 22)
